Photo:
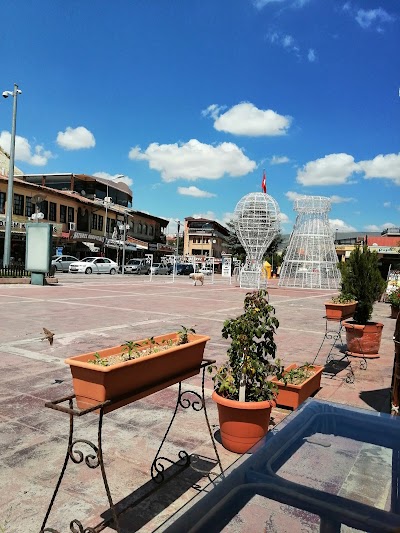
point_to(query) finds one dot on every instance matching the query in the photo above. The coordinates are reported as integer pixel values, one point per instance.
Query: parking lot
(91, 312)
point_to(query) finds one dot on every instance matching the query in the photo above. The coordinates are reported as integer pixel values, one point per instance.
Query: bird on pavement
(48, 335)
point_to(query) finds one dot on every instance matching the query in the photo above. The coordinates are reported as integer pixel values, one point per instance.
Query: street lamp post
(107, 202)
(177, 237)
(10, 186)
(124, 227)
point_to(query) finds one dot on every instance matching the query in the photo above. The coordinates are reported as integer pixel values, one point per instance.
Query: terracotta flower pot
(136, 378)
(339, 311)
(394, 311)
(291, 395)
(363, 340)
(242, 424)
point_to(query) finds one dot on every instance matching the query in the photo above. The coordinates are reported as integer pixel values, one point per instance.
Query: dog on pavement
(197, 277)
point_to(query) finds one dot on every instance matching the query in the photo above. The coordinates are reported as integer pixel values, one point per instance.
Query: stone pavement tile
(14, 437)
(21, 404)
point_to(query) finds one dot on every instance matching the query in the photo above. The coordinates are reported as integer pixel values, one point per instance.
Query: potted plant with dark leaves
(394, 299)
(243, 390)
(361, 277)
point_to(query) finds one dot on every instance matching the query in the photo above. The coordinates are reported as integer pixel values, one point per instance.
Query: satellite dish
(83, 192)
(38, 198)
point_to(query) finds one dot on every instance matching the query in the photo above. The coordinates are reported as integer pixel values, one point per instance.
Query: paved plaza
(88, 313)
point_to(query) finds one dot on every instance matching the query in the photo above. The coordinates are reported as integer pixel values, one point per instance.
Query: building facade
(88, 216)
(204, 238)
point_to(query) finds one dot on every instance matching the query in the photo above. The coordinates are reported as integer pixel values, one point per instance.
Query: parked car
(62, 262)
(97, 265)
(184, 269)
(207, 271)
(137, 266)
(159, 268)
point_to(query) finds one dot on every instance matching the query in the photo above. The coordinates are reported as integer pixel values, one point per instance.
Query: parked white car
(62, 262)
(207, 271)
(96, 265)
(159, 268)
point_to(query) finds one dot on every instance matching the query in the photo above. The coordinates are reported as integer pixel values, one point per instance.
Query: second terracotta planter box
(136, 378)
(293, 395)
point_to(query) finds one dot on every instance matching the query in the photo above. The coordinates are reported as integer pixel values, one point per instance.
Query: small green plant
(133, 350)
(394, 298)
(362, 278)
(183, 334)
(344, 299)
(245, 376)
(296, 376)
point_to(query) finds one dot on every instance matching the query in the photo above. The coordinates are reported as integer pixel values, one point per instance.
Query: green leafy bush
(394, 298)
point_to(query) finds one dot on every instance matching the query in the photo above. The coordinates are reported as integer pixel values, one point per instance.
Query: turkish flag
(264, 183)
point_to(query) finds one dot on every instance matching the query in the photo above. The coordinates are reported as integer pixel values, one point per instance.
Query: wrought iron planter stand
(334, 336)
(94, 459)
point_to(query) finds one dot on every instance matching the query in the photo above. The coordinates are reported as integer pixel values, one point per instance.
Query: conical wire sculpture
(311, 260)
(256, 220)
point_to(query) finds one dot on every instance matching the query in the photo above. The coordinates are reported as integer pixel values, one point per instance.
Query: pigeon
(48, 335)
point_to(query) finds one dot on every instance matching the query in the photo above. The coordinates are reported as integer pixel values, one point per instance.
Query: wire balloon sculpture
(311, 260)
(256, 221)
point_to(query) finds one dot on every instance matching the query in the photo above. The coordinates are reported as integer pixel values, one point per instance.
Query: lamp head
(6, 94)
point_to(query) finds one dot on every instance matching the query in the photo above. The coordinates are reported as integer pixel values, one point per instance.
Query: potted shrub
(296, 383)
(136, 369)
(243, 391)
(340, 307)
(362, 278)
(394, 299)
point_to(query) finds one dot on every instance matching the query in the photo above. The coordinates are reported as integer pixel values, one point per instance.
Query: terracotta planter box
(242, 424)
(339, 311)
(363, 340)
(293, 395)
(136, 378)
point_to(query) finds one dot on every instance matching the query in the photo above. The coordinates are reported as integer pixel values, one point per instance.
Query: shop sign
(82, 236)
(385, 249)
(20, 227)
(164, 248)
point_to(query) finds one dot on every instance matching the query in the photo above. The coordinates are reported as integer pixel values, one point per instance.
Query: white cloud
(339, 225)
(194, 160)
(340, 199)
(76, 138)
(286, 41)
(194, 191)
(333, 169)
(381, 227)
(37, 156)
(259, 4)
(246, 119)
(311, 56)
(382, 166)
(213, 111)
(367, 18)
(279, 160)
(113, 177)
(283, 218)
(292, 196)
(387, 204)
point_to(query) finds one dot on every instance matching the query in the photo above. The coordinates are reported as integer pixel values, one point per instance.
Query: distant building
(205, 238)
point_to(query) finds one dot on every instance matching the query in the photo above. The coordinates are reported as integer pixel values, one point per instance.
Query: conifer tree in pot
(243, 391)
(362, 278)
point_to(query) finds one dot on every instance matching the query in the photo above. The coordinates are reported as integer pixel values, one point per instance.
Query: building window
(139, 228)
(63, 213)
(151, 230)
(71, 214)
(144, 230)
(100, 224)
(44, 208)
(53, 212)
(94, 221)
(2, 202)
(28, 206)
(108, 225)
(18, 204)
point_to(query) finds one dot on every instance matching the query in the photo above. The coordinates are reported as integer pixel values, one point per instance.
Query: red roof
(383, 240)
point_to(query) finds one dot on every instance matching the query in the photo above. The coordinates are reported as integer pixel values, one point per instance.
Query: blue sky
(192, 99)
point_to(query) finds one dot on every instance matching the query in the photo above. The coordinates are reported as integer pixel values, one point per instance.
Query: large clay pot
(394, 311)
(134, 379)
(363, 340)
(291, 395)
(339, 311)
(242, 424)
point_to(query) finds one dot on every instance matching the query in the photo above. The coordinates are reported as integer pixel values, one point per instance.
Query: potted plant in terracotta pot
(296, 383)
(362, 278)
(394, 299)
(243, 391)
(340, 307)
(136, 369)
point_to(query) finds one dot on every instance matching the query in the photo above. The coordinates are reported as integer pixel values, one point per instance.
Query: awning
(92, 247)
